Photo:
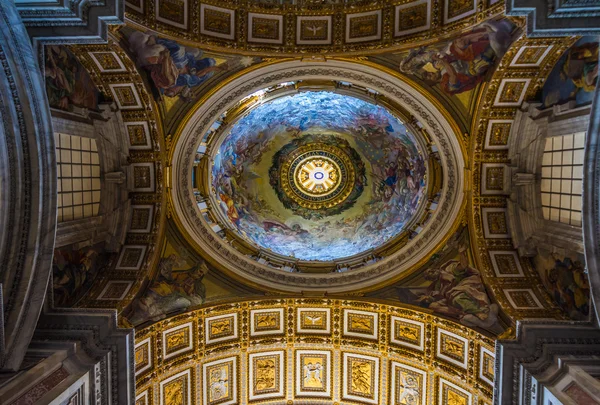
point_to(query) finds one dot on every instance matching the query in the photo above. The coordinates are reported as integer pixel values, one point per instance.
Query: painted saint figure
(174, 68)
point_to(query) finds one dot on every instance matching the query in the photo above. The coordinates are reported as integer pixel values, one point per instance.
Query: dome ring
(191, 220)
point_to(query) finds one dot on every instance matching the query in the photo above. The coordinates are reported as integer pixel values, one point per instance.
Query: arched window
(78, 167)
(562, 174)
(546, 151)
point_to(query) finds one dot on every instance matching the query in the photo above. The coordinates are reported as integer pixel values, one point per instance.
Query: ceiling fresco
(178, 74)
(387, 165)
(371, 149)
(575, 75)
(451, 285)
(453, 69)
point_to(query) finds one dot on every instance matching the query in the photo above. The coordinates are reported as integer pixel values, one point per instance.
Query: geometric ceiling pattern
(325, 351)
(295, 28)
(521, 74)
(117, 78)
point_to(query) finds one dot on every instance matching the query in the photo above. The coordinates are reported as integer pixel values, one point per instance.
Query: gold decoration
(317, 176)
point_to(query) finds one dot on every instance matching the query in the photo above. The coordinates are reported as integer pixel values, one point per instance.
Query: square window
(577, 172)
(87, 184)
(554, 214)
(546, 185)
(87, 197)
(66, 185)
(556, 172)
(565, 186)
(555, 200)
(565, 216)
(85, 157)
(87, 210)
(65, 170)
(65, 156)
(565, 202)
(77, 212)
(86, 171)
(556, 186)
(95, 184)
(567, 172)
(96, 196)
(93, 145)
(577, 187)
(65, 141)
(579, 141)
(77, 198)
(67, 214)
(547, 159)
(546, 212)
(567, 157)
(76, 170)
(76, 142)
(576, 218)
(67, 199)
(96, 171)
(76, 184)
(576, 203)
(95, 160)
(76, 156)
(548, 145)
(578, 157)
(546, 172)
(556, 158)
(85, 143)
(568, 141)
(557, 143)
(545, 199)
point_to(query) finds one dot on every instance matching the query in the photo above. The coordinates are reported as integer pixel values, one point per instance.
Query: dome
(319, 176)
(335, 176)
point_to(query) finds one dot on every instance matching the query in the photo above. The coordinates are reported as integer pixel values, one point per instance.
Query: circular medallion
(317, 176)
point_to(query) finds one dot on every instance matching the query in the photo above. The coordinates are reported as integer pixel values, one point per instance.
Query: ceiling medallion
(317, 175)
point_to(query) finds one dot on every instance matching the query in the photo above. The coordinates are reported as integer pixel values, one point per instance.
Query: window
(562, 174)
(78, 167)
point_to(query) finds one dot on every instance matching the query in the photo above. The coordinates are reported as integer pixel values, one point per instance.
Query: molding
(226, 257)
(69, 21)
(537, 357)
(28, 186)
(557, 18)
(591, 203)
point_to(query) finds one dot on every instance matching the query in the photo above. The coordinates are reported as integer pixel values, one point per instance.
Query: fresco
(574, 76)
(461, 63)
(449, 285)
(177, 287)
(394, 183)
(74, 271)
(566, 281)
(173, 69)
(67, 82)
